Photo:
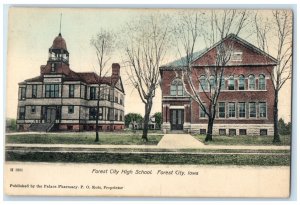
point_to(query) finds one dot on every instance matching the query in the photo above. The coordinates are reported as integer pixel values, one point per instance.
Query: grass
(245, 140)
(136, 158)
(83, 138)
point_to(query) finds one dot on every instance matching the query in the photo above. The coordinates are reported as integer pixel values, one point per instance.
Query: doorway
(51, 114)
(177, 119)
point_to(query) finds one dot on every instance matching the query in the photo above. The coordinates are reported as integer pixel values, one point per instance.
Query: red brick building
(245, 104)
(62, 99)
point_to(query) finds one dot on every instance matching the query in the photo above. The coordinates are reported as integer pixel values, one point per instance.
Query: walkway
(168, 141)
(179, 141)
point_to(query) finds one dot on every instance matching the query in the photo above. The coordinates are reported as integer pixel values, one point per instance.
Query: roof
(182, 61)
(179, 63)
(59, 43)
(35, 79)
(70, 75)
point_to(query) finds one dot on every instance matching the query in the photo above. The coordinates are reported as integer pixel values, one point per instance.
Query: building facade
(62, 99)
(245, 103)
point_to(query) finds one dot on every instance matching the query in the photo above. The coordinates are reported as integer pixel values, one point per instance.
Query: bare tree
(213, 28)
(275, 34)
(146, 46)
(103, 43)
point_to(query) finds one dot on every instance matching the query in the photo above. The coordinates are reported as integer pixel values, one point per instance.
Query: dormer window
(237, 56)
(52, 67)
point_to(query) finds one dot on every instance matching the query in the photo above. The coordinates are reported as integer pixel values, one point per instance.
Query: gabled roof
(182, 61)
(179, 63)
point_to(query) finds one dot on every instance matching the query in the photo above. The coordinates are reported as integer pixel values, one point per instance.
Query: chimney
(115, 70)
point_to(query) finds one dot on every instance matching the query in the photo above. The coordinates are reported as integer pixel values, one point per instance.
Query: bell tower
(58, 52)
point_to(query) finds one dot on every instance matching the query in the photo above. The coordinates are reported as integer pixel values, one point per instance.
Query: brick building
(245, 104)
(62, 99)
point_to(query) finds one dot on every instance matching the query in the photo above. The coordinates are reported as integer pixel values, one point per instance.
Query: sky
(31, 32)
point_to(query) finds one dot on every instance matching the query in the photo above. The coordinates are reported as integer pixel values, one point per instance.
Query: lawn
(151, 158)
(83, 138)
(245, 140)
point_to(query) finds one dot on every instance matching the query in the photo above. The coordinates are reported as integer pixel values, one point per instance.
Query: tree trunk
(148, 107)
(209, 130)
(275, 112)
(97, 115)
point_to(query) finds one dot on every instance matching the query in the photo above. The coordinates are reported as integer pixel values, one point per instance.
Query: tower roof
(59, 43)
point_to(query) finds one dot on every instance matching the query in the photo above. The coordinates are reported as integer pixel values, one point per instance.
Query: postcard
(148, 102)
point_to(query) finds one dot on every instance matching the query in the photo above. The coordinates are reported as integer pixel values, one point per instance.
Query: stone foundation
(251, 129)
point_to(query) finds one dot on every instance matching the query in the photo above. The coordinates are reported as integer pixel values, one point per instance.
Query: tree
(131, 117)
(158, 119)
(146, 46)
(284, 128)
(213, 28)
(276, 34)
(103, 43)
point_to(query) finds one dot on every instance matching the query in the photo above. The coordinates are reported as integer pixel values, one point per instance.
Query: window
(121, 101)
(262, 110)
(251, 80)
(221, 110)
(116, 115)
(261, 82)
(23, 93)
(116, 99)
(121, 116)
(243, 132)
(252, 109)
(52, 91)
(263, 132)
(71, 91)
(202, 131)
(212, 82)
(203, 83)
(222, 131)
(231, 83)
(176, 88)
(92, 93)
(70, 109)
(52, 67)
(92, 113)
(231, 109)
(232, 132)
(100, 113)
(33, 109)
(85, 92)
(111, 114)
(242, 110)
(202, 113)
(22, 113)
(34, 91)
(236, 56)
(241, 82)
(222, 83)
(111, 95)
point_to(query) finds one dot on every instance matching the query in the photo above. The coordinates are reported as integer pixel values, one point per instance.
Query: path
(168, 141)
(179, 141)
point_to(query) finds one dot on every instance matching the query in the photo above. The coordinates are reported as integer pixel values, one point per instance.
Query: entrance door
(51, 114)
(177, 119)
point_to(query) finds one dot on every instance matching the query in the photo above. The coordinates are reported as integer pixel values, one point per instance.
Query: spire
(60, 24)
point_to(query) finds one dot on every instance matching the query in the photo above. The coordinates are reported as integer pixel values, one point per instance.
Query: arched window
(261, 82)
(231, 83)
(241, 82)
(176, 88)
(203, 83)
(251, 82)
(212, 82)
